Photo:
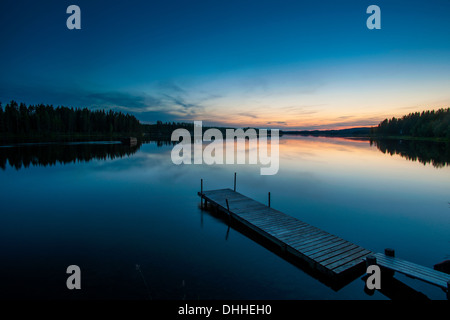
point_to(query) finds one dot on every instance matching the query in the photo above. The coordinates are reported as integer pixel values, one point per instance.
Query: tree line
(431, 124)
(20, 120)
(41, 120)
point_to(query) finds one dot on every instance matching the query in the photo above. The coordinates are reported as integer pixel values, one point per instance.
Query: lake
(131, 219)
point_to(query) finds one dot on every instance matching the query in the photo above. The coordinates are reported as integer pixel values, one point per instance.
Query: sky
(268, 64)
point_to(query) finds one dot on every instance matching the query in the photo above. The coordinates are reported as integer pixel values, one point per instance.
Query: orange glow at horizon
(334, 109)
(320, 121)
(313, 97)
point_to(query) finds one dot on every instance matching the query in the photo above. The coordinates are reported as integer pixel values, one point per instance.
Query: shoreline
(142, 138)
(368, 137)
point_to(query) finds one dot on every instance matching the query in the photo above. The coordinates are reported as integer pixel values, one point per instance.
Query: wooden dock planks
(413, 270)
(321, 250)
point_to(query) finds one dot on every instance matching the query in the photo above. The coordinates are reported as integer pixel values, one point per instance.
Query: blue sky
(287, 64)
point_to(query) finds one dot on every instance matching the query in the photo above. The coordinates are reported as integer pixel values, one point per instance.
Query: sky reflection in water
(109, 214)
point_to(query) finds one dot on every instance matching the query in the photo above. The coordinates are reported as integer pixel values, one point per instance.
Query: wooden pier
(323, 251)
(389, 262)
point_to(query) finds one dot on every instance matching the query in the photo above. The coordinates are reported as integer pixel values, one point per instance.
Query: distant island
(20, 122)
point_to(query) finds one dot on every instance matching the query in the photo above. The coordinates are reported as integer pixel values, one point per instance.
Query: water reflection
(426, 152)
(335, 283)
(109, 216)
(395, 289)
(49, 154)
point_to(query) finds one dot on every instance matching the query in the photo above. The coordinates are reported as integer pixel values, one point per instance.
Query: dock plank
(333, 250)
(314, 244)
(413, 270)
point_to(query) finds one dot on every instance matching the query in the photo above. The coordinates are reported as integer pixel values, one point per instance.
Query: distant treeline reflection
(426, 152)
(49, 154)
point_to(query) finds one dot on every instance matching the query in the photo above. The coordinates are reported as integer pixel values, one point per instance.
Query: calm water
(108, 208)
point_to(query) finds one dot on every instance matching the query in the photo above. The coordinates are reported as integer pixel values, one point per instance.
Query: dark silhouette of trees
(42, 120)
(430, 124)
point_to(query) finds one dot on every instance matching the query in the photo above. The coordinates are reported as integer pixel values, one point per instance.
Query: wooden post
(228, 232)
(235, 182)
(228, 206)
(371, 260)
(389, 252)
(269, 199)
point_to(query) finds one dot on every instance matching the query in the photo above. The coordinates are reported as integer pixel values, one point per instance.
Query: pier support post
(269, 199)
(386, 273)
(235, 182)
(228, 206)
(370, 260)
(389, 252)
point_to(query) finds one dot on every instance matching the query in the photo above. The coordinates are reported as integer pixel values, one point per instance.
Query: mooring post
(235, 182)
(371, 260)
(269, 199)
(389, 252)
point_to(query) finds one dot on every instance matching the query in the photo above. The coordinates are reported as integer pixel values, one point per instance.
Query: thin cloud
(118, 99)
(170, 86)
(368, 122)
(277, 122)
(247, 114)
